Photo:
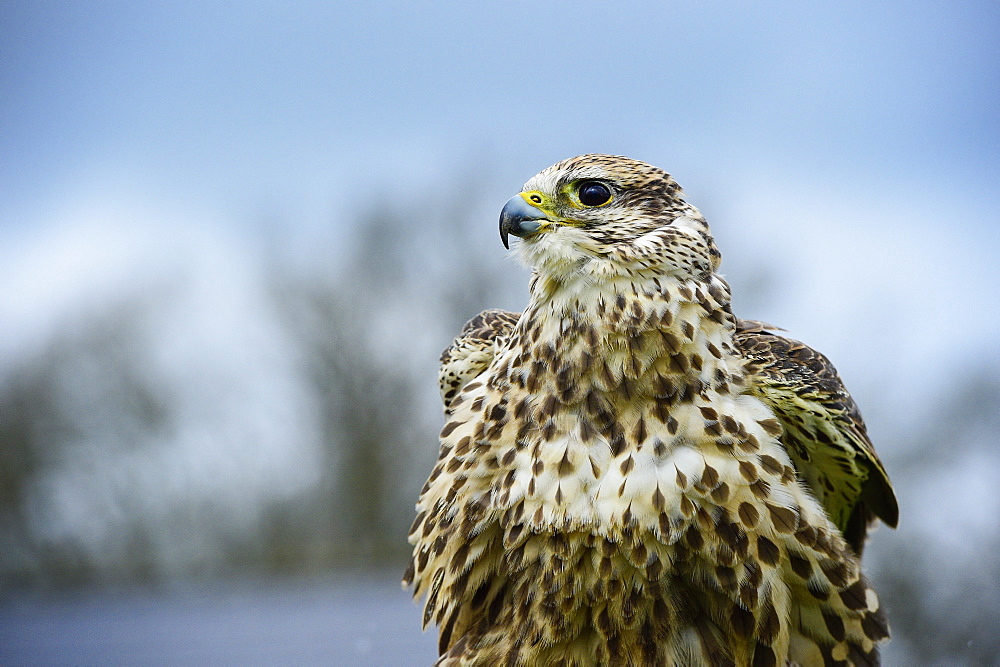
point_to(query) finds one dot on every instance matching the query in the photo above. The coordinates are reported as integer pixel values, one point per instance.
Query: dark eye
(594, 193)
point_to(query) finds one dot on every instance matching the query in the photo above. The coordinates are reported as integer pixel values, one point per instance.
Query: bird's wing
(472, 351)
(823, 429)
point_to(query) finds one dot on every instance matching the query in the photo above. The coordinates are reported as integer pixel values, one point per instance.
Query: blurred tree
(364, 412)
(82, 398)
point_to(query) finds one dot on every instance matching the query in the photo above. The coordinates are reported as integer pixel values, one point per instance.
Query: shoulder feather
(472, 351)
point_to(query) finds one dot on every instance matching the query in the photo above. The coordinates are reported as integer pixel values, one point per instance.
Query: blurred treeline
(114, 470)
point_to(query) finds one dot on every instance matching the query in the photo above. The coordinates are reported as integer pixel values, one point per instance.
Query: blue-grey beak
(519, 218)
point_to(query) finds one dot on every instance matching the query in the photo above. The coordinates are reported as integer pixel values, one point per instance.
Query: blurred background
(234, 238)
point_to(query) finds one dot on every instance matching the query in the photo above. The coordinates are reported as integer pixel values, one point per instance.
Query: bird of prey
(629, 474)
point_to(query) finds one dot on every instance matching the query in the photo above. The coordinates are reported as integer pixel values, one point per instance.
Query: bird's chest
(626, 474)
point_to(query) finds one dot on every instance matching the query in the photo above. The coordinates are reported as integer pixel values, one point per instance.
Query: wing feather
(824, 432)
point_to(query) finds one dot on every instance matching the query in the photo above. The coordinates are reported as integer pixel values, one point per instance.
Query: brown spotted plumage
(630, 475)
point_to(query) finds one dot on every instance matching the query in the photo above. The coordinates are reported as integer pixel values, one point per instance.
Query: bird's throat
(628, 340)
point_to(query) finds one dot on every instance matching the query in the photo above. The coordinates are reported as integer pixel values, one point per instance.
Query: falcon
(631, 475)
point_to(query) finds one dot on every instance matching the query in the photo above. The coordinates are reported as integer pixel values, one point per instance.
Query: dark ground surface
(358, 621)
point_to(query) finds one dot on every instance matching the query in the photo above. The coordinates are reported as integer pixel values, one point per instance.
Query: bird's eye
(594, 193)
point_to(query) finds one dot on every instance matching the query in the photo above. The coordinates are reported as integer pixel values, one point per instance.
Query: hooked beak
(520, 218)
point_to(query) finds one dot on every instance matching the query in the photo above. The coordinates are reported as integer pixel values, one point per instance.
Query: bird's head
(614, 212)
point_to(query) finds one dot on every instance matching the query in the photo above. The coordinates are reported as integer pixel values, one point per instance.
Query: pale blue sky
(306, 106)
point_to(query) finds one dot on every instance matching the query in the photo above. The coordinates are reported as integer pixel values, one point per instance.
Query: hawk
(631, 475)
